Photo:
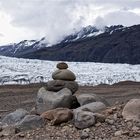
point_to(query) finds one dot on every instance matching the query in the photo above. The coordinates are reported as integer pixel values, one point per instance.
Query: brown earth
(24, 96)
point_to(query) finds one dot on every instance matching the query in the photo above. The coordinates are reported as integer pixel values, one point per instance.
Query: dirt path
(17, 96)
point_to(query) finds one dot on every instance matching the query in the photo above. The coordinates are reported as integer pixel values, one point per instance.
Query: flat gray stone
(84, 99)
(56, 85)
(83, 119)
(47, 100)
(30, 122)
(63, 74)
(92, 107)
(14, 117)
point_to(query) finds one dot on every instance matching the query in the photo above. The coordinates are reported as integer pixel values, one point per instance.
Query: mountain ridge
(114, 44)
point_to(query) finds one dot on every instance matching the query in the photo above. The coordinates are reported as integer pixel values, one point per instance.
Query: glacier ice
(24, 71)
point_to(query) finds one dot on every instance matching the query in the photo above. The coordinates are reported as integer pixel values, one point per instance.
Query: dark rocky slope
(117, 44)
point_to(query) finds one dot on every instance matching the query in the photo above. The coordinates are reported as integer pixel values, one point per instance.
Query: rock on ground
(58, 115)
(14, 117)
(83, 119)
(47, 100)
(93, 107)
(30, 122)
(131, 110)
(89, 98)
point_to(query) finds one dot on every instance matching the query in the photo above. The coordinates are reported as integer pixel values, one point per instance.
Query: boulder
(14, 117)
(48, 100)
(131, 110)
(30, 122)
(62, 65)
(58, 115)
(83, 119)
(92, 107)
(63, 74)
(89, 98)
(56, 85)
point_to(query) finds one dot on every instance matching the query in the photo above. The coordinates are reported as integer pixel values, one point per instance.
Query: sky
(54, 19)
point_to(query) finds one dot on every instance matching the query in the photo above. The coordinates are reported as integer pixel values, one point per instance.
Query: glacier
(25, 71)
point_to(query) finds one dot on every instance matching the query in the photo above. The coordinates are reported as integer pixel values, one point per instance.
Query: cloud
(53, 19)
(127, 18)
(57, 18)
(122, 17)
(1, 35)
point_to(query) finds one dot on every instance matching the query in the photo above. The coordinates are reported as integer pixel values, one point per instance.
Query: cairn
(62, 78)
(57, 103)
(59, 91)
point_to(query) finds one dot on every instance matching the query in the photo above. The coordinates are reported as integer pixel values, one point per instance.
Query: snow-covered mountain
(91, 31)
(23, 47)
(30, 46)
(114, 44)
(24, 71)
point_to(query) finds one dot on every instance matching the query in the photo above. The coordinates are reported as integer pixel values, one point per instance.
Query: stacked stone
(56, 103)
(63, 78)
(59, 91)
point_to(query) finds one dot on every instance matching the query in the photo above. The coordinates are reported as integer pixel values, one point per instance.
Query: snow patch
(95, 33)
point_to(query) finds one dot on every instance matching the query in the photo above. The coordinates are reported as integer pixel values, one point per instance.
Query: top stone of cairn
(62, 65)
(63, 73)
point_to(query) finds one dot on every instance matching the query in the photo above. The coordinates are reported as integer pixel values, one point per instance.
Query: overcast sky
(33, 19)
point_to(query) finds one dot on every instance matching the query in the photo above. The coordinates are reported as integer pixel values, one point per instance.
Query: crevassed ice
(24, 71)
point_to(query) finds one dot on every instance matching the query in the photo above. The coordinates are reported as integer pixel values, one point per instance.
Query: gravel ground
(114, 128)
